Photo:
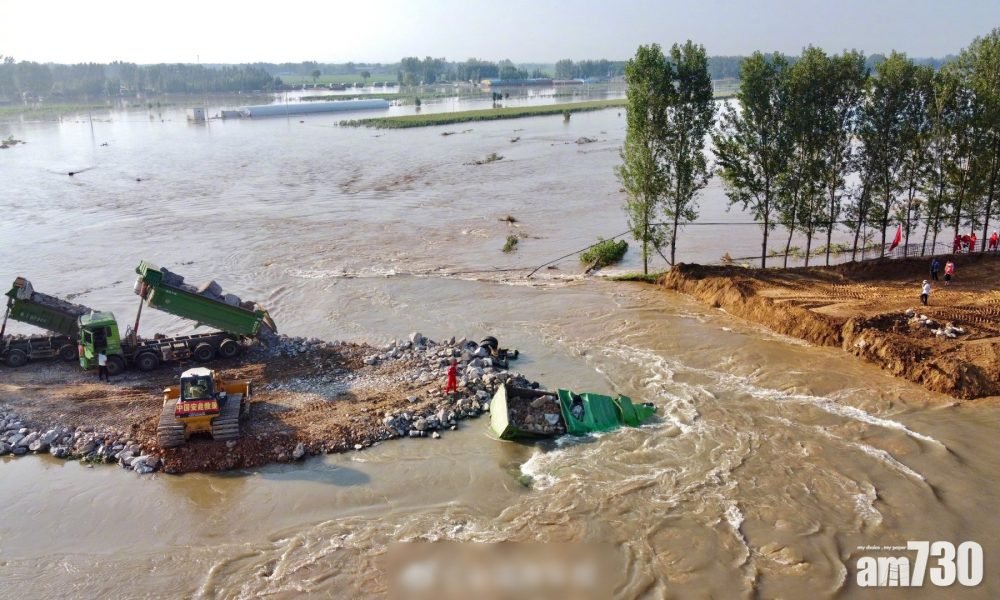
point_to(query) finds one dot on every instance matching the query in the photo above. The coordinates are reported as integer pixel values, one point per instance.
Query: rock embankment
(951, 347)
(84, 443)
(310, 397)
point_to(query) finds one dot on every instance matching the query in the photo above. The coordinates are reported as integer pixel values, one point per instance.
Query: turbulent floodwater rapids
(770, 464)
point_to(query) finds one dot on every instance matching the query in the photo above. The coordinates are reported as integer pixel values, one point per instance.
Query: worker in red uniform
(957, 246)
(994, 240)
(972, 242)
(452, 386)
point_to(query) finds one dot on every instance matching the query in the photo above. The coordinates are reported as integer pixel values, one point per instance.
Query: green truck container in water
(235, 319)
(526, 413)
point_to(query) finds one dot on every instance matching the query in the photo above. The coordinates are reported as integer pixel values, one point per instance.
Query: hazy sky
(215, 31)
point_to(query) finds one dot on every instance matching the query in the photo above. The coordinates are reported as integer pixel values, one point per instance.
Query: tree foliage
(686, 126)
(642, 173)
(752, 144)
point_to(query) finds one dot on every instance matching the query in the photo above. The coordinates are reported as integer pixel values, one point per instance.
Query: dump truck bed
(206, 305)
(44, 311)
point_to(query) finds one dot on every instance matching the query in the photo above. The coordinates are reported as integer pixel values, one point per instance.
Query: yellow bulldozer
(202, 403)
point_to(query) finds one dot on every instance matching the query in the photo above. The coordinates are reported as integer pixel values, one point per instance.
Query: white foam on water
(538, 467)
(365, 273)
(744, 385)
(864, 508)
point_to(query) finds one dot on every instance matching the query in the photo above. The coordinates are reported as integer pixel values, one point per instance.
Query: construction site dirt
(317, 398)
(873, 310)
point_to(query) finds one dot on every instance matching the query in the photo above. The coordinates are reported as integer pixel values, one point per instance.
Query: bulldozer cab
(197, 384)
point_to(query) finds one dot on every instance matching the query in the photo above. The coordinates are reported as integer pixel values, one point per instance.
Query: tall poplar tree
(689, 118)
(979, 66)
(642, 173)
(848, 76)
(883, 133)
(752, 143)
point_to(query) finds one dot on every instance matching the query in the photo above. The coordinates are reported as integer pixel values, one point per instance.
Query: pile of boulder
(81, 443)
(480, 373)
(541, 415)
(948, 330)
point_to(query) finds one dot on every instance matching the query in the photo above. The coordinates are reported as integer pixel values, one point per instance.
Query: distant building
(196, 114)
(539, 81)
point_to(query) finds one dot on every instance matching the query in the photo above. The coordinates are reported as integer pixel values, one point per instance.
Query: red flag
(898, 238)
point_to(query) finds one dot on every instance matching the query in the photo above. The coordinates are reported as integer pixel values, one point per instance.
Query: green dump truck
(237, 321)
(26, 305)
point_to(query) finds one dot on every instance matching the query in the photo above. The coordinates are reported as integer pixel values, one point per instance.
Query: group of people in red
(967, 243)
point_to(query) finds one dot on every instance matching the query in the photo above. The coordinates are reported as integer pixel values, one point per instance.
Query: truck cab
(99, 331)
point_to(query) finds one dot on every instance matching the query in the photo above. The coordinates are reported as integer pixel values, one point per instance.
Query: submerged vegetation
(10, 141)
(604, 253)
(488, 114)
(491, 157)
(642, 277)
(511, 244)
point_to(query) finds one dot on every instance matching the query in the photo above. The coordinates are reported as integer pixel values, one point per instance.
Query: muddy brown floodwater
(772, 469)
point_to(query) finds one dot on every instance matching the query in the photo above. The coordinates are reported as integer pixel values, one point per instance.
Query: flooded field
(771, 463)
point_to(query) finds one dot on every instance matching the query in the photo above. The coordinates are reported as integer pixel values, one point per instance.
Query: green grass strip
(488, 114)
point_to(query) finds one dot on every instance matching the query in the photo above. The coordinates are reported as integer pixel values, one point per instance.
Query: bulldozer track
(170, 431)
(227, 425)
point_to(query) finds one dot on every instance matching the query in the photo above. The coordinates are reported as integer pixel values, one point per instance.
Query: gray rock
(417, 339)
(4, 448)
(19, 451)
(49, 436)
(87, 447)
(420, 424)
(358, 447)
(15, 439)
(38, 446)
(299, 452)
(415, 434)
(28, 439)
(59, 451)
(412, 399)
(436, 435)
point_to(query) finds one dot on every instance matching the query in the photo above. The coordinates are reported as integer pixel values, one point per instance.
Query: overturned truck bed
(527, 413)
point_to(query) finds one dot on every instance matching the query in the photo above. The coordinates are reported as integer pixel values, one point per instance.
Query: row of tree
(817, 144)
(29, 80)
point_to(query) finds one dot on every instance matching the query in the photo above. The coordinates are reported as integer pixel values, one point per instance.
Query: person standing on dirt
(949, 272)
(972, 242)
(452, 386)
(994, 240)
(102, 366)
(935, 267)
(925, 292)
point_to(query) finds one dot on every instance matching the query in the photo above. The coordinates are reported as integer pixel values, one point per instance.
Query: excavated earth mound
(873, 311)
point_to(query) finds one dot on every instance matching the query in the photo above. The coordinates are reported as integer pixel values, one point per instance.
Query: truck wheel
(68, 352)
(16, 358)
(116, 366)
(228, 349)
(147, 361)
(203, 352)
